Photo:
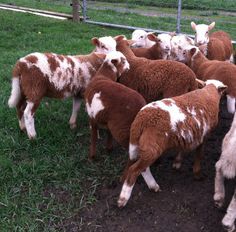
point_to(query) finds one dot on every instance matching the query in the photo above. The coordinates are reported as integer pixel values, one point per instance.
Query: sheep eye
(103, 47)
(141, 37)
(207, 32)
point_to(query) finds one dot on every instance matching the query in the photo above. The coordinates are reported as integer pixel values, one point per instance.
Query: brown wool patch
(53, 63)
(60, 57)
(70, 61)
(32, 59)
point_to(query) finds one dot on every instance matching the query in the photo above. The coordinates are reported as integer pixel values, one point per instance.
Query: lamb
(226, 168)
(218, 45)
(181, 123)
(155, 79)
(213, 69)
(178, 44)
(141, 39)
(111, 105)
(57, 76)
(153, 53)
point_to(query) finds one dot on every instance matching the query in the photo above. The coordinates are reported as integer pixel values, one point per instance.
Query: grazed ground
(183, 205)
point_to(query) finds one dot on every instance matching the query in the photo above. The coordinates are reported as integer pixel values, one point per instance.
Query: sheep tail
(16, 90)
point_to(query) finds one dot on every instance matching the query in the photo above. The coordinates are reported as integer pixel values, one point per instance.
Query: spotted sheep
(206, 69)
(181, 123)
(155, 79)
(111, 105)
(226, 168)
(215, 46)
(39, 75)
(140, 38)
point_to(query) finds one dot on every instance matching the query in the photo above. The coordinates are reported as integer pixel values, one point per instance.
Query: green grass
(46, 181)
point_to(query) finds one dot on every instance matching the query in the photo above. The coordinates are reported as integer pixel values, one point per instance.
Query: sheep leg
(29, 111)
(231, 104)
(150, 181)
(197, 162)
(132, 174)
(178, 161)
(93, 140)
(20, 112)
(219, 195)
(109, 145)
(229, 218)
(75, 110)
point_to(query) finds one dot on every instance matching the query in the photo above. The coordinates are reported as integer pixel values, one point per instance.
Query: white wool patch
(125, 193)
(168, 105)
(133, 151)
(96, 105)
(230, 104)
(201, 36)
(15, 92)
(216, 83)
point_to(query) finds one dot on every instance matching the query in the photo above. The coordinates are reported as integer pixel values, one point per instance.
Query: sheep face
(118, 62)
(104, 44)
(189, 53)
(178, 45)
(140, 38)
(202, 32)
(165, 43)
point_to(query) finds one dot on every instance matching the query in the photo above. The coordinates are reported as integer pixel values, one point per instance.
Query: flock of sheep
(152, 93)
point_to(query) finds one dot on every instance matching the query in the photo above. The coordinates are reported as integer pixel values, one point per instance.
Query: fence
(158, 19)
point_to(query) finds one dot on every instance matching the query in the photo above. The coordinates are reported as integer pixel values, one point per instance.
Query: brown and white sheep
(218, 45)
(213, 69)
(155, 79)
(154, 52)
(181, 123)
(111, 105)
(39, 75)
(226, 168)
(140, 38)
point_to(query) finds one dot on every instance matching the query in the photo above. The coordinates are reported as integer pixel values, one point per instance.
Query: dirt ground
(183, 205)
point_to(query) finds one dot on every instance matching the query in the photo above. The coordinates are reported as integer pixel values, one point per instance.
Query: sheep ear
(172, 34)
(119, 38)
(100, 55)
(192, 51)
(200, 83)
(95, 41)
(152, 37)
(193, 25)
(222, 89)
(211, 26)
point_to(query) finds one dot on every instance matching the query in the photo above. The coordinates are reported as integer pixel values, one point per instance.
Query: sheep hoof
(122, 202)
(73, 126)
(227, 225)
(32, 136)
(219, 200)
(22, 126)
(155, 188)
(176, 165)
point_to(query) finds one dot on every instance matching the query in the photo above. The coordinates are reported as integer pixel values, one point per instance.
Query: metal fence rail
(108, 24)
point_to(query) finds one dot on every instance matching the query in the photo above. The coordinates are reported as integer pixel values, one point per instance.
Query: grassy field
(46, 181)
(155, 17)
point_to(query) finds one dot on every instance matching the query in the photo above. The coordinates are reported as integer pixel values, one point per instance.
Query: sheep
(57, 76)
(213, 69)
(141, 39)
(226, 168)
(111, 105)
(181, 123)
(218, 45)
(178, 44)
(153, 53)
(155, 79)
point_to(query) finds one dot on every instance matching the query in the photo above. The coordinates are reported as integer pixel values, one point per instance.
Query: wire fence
(161, 16)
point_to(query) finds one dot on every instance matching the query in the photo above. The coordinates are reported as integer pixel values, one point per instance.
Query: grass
(46, 181)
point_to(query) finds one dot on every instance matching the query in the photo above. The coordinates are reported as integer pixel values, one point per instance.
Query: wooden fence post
(75, 11)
